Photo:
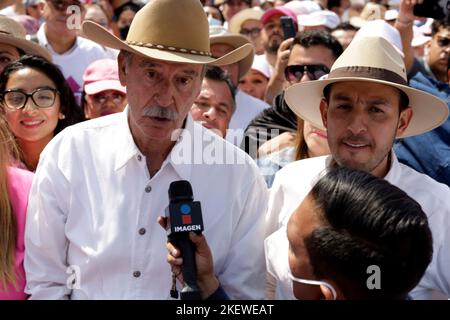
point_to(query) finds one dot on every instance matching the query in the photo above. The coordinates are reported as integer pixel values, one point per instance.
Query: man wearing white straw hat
(100, 187)
(365, 103)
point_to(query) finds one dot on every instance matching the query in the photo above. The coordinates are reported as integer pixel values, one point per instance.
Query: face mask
(214, 22)
(124, 32)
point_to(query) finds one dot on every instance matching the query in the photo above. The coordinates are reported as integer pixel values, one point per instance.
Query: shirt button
(142, 231)
(148, 189)
(136, 274)
(139, 157)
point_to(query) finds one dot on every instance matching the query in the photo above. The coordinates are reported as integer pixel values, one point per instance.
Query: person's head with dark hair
(312, 54)
(125, 15)
(215, 104)
(38, 103)
(439, 49)
(344, 33)
(352, 230)
(231, 7)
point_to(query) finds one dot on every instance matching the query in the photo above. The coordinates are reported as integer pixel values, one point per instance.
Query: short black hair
(218, 74)
(368, 222)
(439, 24)
(69, 108)
(403, 102)
(318, 38)
(346, 26)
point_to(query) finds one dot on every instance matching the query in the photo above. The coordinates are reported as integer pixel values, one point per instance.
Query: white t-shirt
(247, 108)
(73, 62)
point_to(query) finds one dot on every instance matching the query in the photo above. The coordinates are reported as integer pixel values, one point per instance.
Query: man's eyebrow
(190, 73)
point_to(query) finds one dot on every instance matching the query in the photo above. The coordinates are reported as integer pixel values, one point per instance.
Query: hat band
(367, 72)
(168, 48)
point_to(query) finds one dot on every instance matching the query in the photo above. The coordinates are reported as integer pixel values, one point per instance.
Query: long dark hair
(69, 108)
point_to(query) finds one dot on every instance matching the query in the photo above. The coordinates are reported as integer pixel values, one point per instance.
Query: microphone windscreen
(180, 190)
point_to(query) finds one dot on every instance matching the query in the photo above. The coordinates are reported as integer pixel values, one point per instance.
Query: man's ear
(403, 120)
(121, 60)
(324, 112)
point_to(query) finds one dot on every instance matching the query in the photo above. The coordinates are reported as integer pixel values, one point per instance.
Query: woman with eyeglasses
(37, 103)
(15, 185)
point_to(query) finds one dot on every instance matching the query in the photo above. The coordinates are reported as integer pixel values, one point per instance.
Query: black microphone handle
(190, 291)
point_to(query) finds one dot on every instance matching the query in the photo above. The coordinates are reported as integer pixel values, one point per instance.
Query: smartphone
(436, 9)
(288, 25)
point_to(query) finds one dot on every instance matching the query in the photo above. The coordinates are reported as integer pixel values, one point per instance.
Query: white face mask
(214, 22)
(316, 283)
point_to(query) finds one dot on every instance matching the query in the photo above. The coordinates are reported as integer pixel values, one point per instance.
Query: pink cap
(102, 75)
(283, 11)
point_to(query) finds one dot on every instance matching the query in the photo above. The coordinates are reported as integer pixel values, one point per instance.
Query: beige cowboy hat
(371, 11)
(169, 30)
(13, 34)
(239, 18)
(219, 34)
(369, 59)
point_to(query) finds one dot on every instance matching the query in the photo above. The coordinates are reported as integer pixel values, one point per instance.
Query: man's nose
(164, 95)
(357, 122)
(210, 114)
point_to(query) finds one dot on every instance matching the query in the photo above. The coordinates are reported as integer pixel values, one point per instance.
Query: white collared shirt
(293, 183)
(93, 206)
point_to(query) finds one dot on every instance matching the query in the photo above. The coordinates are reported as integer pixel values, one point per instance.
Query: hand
(206, 279)
(406, 8)
(283, 57)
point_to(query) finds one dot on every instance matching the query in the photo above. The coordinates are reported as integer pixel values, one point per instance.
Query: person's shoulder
(19, 177)
(250, 101)
(90, 45)
(309, 166)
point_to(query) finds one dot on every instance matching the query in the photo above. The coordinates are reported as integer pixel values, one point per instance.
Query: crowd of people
(314, 133)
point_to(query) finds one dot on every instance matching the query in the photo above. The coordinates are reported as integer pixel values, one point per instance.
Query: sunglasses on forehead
(294, 73)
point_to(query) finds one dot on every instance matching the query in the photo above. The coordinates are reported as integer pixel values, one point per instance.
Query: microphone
(185, 215)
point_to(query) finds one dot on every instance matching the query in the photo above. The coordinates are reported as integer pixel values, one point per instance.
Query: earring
(61, 116)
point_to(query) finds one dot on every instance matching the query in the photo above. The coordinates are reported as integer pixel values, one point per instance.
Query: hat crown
(371, 52)
(103, 69)
(10, 27)
(171, 23)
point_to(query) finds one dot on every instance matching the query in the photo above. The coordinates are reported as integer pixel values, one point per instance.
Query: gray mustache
(160, 112)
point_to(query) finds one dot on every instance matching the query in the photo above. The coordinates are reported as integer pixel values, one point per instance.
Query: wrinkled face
(301, 224)
(104, 103)
(221, 49)
(160, 95)
(344, 37)
(31, 123)
(254, 83)
(8, 54)
(316, 140)
(231, 7)
(362, 121)
(213, 107)
(272, 34)
(439, 49)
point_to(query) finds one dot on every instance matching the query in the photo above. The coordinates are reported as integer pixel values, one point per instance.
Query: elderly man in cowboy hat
(365, 103)
(92, 229)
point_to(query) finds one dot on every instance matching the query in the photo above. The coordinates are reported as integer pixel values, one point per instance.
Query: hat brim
(236, 40)
(429, 112)
(103, 85)
(100, 35)
(27, 46)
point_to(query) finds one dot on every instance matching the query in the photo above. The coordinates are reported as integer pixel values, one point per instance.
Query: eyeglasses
(254, 32)
(443, 42)
(42, 98)
(62, 5)
(315, 283)
(294, 73)
(102, 97)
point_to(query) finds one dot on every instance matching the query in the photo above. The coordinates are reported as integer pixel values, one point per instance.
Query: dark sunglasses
(443, 42)
(294, 73)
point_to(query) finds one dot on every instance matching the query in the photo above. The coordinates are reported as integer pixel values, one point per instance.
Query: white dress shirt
(293, 183)
(94, 207)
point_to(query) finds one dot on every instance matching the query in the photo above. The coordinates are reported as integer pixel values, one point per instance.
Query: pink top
(19, 184)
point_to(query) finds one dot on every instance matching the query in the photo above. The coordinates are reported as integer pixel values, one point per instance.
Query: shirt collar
(42, 39)
(129, 150)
